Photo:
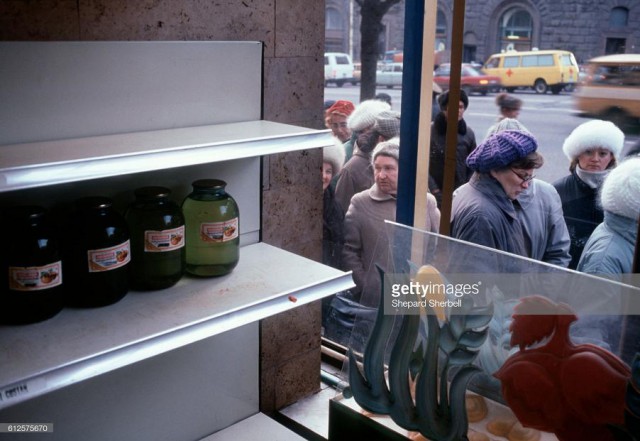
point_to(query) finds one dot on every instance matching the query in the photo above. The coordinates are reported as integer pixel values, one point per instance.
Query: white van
(338, 69)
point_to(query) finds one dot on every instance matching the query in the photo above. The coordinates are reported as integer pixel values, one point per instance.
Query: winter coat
(610, 248)
(332, 230)
(366, 241)
(581, 212)
(466, 144)
(355, 176)
(545, 230)
(483, 214)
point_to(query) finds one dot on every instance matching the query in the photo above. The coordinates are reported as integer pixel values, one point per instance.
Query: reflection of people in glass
(592, 148)
(484, 210)
(365, 238)
(610, 248)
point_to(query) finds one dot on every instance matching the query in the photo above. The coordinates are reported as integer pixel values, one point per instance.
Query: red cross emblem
(509, 73)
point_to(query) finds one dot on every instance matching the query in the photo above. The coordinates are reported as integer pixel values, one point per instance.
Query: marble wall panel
(39, 21)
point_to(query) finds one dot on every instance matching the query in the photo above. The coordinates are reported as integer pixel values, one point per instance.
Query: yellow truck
(541, 70)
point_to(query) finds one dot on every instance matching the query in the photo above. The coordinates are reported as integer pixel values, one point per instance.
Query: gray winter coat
(545, 229)
(483, 214)
(610, 248)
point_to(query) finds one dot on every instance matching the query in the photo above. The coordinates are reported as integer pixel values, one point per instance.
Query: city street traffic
(551, 118)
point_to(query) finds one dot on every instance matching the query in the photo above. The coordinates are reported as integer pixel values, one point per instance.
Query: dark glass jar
(32, 282)
(157, 239)
(99, 253)
(212, 229)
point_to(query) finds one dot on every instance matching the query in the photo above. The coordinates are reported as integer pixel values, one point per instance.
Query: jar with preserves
(212, 229)
(32, 282)
(157, 239)
(99, 253)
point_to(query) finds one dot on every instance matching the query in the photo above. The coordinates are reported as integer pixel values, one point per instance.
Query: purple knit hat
(501, 149)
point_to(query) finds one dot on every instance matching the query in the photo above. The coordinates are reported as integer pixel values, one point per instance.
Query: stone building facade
(588, 28)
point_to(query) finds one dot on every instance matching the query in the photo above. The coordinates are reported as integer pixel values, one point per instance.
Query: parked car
(338, 69)
(389, 75)
(471, 80)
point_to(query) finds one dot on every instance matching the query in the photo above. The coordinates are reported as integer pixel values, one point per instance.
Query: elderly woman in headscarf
(485, 209)
(592, 148)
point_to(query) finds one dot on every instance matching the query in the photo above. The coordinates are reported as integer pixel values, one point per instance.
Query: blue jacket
(610, 248)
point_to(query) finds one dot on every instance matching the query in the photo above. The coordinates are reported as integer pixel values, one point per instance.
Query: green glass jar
(99, 254)
(212, 229)
(156, 226)
(31, 267)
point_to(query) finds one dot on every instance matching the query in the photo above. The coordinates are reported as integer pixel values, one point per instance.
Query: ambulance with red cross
(541, 70)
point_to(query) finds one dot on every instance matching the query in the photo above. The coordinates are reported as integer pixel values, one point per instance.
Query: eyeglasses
(525, 178)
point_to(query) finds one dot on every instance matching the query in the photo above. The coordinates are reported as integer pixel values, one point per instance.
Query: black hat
(443, 99)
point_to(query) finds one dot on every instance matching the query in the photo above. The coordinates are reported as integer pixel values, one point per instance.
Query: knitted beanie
(443, 99)
(387, 148)
(593, 134)
(388, 124)
(334, 155)
(620, 192)
(507, 124)
(341, 107)
(364, 116)
(501, 149)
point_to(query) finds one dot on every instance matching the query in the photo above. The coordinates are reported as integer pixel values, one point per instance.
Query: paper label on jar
(165, 240)
(34, 278)
(106, 259)
(219, 231)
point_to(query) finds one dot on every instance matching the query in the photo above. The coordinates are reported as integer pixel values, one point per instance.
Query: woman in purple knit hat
(484, 210)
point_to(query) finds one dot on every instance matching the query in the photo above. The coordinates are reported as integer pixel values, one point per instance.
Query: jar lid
(152, 192)
(26, 212)
(209, 183)
(94, 202)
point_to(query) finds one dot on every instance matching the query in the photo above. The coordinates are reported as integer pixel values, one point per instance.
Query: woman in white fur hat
(593, 148)
(610, 248)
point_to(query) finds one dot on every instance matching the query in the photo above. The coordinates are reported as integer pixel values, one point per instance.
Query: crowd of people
(586, 221)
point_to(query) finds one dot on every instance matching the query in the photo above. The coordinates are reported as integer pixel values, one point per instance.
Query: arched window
(515, 29)
(619, 17)
(333, 20)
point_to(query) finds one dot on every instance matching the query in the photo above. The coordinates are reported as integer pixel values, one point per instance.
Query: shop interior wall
(293, 36)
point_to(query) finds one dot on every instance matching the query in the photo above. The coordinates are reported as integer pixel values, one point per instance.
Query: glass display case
(470, 341)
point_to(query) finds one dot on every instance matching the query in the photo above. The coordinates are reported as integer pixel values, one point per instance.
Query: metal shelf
(39, 164)
(79, 344)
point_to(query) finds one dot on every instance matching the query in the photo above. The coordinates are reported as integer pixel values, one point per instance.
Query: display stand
(104, 118)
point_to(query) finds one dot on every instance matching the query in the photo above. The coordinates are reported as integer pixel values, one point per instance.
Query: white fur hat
(592, 134)
(365, 114)
(334, 155)
(621, 189)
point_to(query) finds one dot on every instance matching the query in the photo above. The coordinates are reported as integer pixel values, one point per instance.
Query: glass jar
(99, 253)
(157, 239)
(32, 282)
(212, 229)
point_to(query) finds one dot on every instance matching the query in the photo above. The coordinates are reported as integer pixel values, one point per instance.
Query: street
(551, 118)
